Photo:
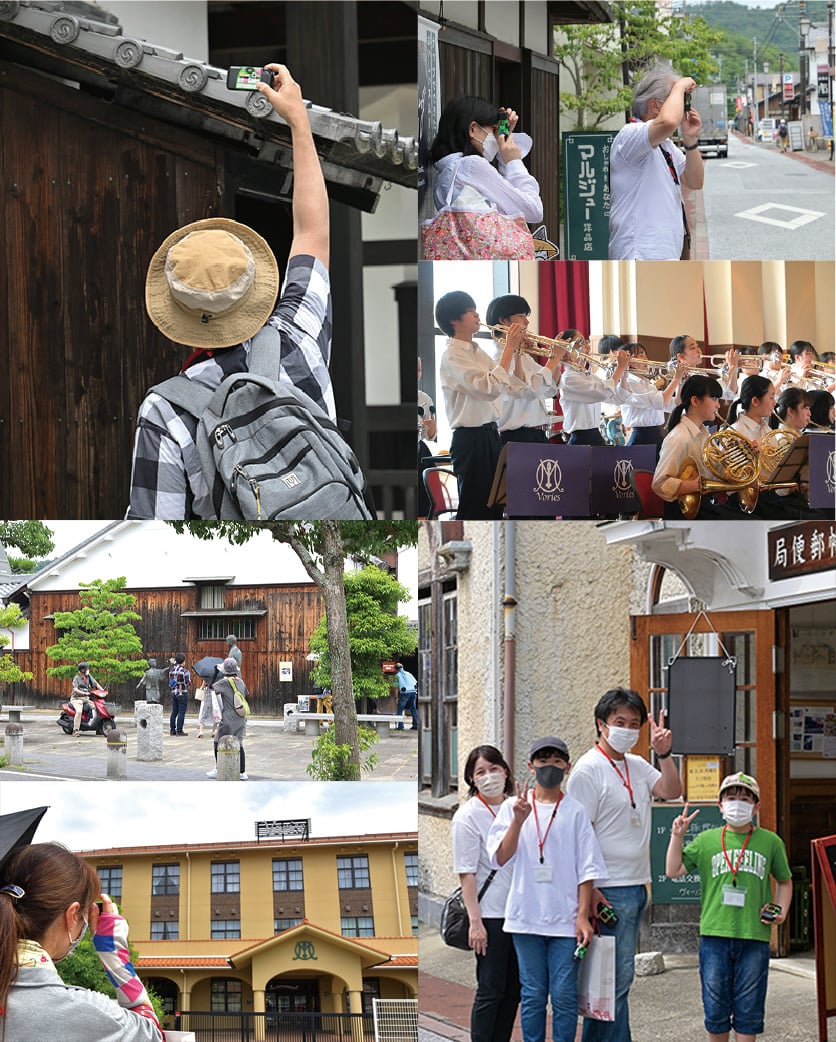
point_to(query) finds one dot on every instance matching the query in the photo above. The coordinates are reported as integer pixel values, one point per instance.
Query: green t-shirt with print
(728, 910)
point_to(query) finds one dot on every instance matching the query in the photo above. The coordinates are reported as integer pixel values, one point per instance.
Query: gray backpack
(267, 450)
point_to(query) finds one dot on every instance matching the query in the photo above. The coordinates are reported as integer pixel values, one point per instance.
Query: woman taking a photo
(484, 210)
(488, 778)
(47, 902)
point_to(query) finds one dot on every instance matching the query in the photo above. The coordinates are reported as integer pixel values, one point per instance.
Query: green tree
(323, 547)
(32, 537)
(595, 57)
(375, 631)
(10, 673)
(100, 632)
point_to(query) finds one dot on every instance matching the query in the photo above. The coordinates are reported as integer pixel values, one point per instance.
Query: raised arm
(310, 199)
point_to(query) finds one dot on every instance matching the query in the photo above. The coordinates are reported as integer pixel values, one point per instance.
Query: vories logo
(622, 477)
(549, 480)
(830, 472)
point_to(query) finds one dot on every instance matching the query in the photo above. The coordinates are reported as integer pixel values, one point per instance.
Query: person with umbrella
(209, 670)
(48, 899)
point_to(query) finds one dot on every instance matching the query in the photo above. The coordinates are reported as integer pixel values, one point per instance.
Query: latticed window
(222, 928)
(226, 877)
(165, 879)
(353, 872)
(216, 627)
(357, 926)
(111, 877)
(287, 874)
(411, 864)
(226, 995)
(165, 931)
(284, 924)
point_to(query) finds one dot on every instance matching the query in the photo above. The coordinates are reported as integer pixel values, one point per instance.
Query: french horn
(734, 464)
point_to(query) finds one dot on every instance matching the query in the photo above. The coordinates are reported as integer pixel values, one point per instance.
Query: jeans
(178, 712)
(734, 977)
(497, 987)
(628, 904)
(408, 703)
(547, 969)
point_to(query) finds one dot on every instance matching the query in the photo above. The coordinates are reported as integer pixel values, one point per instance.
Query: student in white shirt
(643, 406)
(647, 214)
(488, 778)
(523, 417)
(803, 356)
(463, 151)
(472, 384)
(685, 351)
(582, 394)
(616, 789)
(757, 401)
(699, 402)
(547, 838)
(773, 366)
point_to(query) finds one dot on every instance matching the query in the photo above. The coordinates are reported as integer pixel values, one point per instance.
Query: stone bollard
(229, 758)
(149, 731)
(14, 745)
(117, 754)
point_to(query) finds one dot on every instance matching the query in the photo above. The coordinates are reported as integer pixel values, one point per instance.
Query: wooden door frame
(762, 624)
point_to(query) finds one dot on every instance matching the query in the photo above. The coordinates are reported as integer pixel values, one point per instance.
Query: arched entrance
(292, 995)
(167, 990)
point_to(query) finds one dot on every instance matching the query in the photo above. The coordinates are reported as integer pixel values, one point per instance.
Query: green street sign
(586, 194)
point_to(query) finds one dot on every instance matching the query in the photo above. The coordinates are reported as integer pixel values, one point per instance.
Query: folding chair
(651, 504)
(442, 490)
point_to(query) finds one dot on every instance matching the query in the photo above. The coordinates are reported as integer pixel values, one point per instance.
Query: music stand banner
(612, 469)
(547, 480)
(822, 471)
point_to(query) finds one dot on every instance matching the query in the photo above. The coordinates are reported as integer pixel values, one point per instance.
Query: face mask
(622, 739)
(74, 943)
(737, 812)
(549, 776)
(490, 148)
(491, 784)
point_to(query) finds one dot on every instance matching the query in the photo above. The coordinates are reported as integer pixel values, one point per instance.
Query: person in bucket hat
(745, 890)
(211, 286)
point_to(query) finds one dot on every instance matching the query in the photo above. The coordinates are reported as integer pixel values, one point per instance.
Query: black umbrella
(17, 830)
(206, 667)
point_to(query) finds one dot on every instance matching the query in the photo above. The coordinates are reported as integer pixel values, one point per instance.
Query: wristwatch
(690, 148)
(663, 756)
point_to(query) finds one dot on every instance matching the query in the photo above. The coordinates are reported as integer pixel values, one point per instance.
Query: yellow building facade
(304, 926)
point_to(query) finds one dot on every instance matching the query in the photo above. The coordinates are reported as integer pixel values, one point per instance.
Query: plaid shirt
(167, 481)
(181, 677)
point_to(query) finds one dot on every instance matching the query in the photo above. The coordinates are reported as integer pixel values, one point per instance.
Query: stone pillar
(149, 731)
(117, 754)
(229, 759)
(14, 745)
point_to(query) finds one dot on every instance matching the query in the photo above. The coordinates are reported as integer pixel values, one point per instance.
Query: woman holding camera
(47, 901)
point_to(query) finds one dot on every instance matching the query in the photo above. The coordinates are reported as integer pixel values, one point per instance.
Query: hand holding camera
(771, 913)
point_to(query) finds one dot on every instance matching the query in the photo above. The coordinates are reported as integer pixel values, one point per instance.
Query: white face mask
(74, 943)
(622, 739)
(491, 784)
(737, 812)
(490, 148)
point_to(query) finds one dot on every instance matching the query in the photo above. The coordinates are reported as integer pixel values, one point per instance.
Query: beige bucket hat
(211, 284)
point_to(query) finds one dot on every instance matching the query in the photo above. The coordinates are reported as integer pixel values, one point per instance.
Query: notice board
(686, 889)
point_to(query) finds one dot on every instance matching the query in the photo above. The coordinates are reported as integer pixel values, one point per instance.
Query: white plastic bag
(217, 707)
(596, 980)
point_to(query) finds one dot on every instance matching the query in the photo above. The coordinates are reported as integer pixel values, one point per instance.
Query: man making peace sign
(616, 790)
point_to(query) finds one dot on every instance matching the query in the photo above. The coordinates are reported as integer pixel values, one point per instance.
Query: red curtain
(564, 297)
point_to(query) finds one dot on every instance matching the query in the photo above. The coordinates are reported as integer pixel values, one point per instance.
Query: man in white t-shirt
(616, 790)
(647, 215)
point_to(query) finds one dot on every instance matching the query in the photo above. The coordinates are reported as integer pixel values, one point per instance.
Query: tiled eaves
(162, 82)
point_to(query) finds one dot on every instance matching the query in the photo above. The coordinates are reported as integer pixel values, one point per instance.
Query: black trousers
(527, 435)
(587, 437)
(647, 436)
(475, 454)
(497, 987)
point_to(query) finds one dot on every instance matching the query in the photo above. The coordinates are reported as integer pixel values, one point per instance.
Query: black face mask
(549, 776)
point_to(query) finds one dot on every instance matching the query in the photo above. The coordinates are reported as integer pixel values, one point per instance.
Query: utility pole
(755, 82)
(781, 58)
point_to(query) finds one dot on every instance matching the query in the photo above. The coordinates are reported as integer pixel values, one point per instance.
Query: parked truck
(711, 104)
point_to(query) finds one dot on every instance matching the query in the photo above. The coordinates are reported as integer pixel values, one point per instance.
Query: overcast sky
(89, 815)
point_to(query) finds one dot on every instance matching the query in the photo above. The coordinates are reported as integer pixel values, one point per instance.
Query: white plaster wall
(435, 855)
(181, 25)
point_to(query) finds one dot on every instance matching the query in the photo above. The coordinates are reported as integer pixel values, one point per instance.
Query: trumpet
(573, 352)
(819, 380)
(749, 364)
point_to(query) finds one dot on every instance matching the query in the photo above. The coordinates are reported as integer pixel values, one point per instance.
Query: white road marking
(803, 216)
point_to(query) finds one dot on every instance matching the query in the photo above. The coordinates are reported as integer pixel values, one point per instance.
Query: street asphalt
(271, 754)
(663, 1008)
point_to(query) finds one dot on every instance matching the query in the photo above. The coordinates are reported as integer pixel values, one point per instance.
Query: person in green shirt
(737, 865)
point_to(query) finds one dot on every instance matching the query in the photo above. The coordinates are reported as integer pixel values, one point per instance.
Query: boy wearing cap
(212, 286)
(555, 856)
(736, 865)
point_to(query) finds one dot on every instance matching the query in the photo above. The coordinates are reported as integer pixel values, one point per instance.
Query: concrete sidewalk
(663, 1008)
(817, 160)
(270, 753)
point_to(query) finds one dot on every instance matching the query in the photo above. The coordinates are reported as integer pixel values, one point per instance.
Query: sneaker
(213, 773)
(245, 776)
(181, 733)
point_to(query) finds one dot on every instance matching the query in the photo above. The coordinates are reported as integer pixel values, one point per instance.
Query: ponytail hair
(51, 878)
(697, 386)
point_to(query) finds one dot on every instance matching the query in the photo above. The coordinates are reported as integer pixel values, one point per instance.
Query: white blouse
(472, 384)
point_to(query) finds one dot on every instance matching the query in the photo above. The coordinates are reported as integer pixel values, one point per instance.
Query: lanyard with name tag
(734, 896)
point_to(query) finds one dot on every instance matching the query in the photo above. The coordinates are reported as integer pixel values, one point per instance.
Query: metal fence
(277, 1027)
(395, 1020)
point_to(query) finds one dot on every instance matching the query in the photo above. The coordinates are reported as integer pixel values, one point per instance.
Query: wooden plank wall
(91, 189)
(283, 634)
(544, 162)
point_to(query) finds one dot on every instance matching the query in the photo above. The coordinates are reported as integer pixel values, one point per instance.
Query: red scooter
(97, 715)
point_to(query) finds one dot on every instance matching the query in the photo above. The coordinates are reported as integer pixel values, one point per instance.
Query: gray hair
(656, 82)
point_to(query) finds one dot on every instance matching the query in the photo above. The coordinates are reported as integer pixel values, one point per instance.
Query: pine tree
(100, 632)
